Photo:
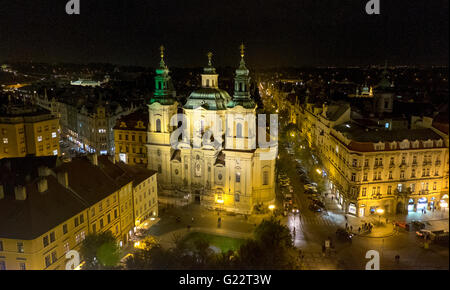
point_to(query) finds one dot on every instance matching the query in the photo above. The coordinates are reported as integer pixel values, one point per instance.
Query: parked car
(318, 203)
(425, 234)
(417, 225)
(310, 186)
(295, 209)
(344, 235)
(315, 208)
(310, 191)
(441, 238)
(402, 225)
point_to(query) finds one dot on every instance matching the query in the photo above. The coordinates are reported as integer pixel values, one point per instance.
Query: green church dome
(208, 98)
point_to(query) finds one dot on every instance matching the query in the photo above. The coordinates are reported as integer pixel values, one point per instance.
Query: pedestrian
(359, 230)
(346, 219)
(351, 228)
(346, 225)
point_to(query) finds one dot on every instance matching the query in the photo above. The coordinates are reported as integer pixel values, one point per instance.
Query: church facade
(227, 170)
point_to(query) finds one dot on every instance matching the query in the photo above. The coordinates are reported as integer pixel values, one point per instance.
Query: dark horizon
(276, 34)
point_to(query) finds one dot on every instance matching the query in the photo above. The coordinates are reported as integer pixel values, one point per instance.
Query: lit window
(5, 140)
(39, 138)
(53, 134)
(55, 152)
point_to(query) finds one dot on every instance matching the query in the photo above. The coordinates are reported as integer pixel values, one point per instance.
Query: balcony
(425, 163)
(414, 164)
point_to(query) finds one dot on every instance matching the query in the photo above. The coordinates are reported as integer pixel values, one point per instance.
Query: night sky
(276, 33)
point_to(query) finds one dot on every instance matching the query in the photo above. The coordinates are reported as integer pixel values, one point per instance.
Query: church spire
(241, 94)
(162, 63)
(164, 92)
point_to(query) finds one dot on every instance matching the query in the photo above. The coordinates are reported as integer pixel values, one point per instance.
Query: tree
(100, 251)
(272, 248)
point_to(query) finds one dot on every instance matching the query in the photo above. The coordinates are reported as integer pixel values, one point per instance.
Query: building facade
(369, 168)
(48, 208)
(130, 137)
(234, 177)
(28, 130)
(87, 123)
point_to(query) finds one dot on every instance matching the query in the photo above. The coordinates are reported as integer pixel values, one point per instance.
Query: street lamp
(319, 171)
(380, 212)
(271, 207)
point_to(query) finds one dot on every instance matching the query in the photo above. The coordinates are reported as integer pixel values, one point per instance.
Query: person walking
(346, 225)
(359, 230)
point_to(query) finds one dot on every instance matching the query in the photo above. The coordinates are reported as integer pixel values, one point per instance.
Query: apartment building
(48, 206)
(26, 129)
(130, 137)
(369, 168)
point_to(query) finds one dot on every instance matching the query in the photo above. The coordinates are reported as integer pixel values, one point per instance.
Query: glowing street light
(319, 171)
(271, 207)
(380, 212)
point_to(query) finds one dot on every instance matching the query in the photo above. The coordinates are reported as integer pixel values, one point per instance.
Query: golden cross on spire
(242, 47)
(161, 48)
(210, 54)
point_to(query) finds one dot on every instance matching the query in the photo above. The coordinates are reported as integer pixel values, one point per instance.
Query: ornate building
(233, 177)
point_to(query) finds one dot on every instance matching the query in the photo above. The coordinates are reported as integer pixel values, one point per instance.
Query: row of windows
(22, 265)
(377, 175)
(100, 205)
(20, 248)
(101, 221)
(133, 137)
(400, 187)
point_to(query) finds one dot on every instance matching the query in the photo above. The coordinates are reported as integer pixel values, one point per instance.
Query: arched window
(207, 83)
(240, 87)
(158, 125)
(239, 130)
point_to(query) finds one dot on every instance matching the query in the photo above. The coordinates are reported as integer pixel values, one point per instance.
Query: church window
(265, 178)
(207, 83)
(219, 176)
(158, 125)
(240, 87)
(238, 177)
(239, 130)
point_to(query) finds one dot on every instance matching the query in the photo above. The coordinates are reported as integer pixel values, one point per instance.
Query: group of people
(364, 227)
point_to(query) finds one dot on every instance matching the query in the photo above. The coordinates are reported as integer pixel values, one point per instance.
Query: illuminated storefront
(422, 203)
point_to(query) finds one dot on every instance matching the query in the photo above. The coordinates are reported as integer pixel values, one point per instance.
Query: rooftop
(360, 133)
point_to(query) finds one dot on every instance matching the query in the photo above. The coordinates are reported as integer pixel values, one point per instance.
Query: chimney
(2, 192)
(20, 192)
(63, 179)
(42, 185)
(43, 171)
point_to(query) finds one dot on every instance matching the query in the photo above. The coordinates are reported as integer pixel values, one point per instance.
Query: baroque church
(234, 177)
